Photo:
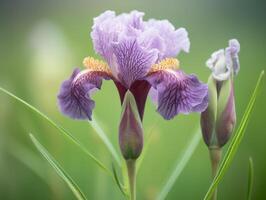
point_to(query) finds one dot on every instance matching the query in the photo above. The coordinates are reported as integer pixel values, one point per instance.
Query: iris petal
(74, 97)
(133, 61)
(178, 92)
(231, 53)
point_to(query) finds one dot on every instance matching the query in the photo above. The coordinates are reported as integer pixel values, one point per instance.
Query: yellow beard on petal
(165, 64)
(96, 65)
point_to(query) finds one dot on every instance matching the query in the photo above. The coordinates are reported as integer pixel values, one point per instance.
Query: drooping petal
(133, 61)
(74, 97)
(178, 92)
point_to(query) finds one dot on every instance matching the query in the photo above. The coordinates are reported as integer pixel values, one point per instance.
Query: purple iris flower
(139, 56)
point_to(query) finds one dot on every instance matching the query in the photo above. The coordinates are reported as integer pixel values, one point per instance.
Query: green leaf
(250, 178)
(238, 136)
(29, 159)
(180, 164)
(59, 170)
(60, 128)
(99, 131)
(120, 186)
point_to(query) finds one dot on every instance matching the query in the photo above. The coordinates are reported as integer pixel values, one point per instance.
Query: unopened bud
(218, 120)
(130, 129)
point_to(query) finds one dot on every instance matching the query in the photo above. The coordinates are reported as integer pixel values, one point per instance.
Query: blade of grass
(58, 127)
(59, 170)
(238, 136)
(180, 165)
(250, 178)
(121, 187)
(99, 131)
(29, 159)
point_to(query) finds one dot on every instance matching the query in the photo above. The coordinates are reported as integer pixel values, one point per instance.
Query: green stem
(131, 170)
(215, 157)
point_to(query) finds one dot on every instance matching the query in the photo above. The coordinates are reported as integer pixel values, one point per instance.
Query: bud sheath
(130, 129)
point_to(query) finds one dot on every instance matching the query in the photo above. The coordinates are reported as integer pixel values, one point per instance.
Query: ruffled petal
(223, 63)
(74, 97)
(110, 30)
(168, 40)
(133, 61)
(178, 92)
(217, 63)
(231, 53)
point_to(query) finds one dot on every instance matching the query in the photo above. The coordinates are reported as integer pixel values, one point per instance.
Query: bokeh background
(41, 42)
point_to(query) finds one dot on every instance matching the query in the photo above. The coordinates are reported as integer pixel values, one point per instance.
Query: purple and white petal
(178, 93)
(74, 98)
(174, 41)
(217, 63)
(159, 36)
(133, 61)
(223, 63)
(231, 53)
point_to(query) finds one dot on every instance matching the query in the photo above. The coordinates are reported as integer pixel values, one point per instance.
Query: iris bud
(130, 129)
(218, 120)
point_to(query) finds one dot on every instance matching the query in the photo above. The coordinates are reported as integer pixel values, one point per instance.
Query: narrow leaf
(250, 178)
(99, 131)
(59, 170)
(58, 127)
(29, 159)
(120, 186)
(180, 165)
(238, 136)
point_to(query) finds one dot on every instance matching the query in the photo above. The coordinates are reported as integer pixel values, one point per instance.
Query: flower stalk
(131, 169)
(215, 157)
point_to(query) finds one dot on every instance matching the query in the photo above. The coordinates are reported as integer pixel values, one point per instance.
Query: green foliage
(103, 136)
(122, 188)
(180, 165)
(58, 127)
(250, 178)
(59, 170)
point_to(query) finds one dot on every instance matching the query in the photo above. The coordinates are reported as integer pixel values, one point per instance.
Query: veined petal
(74, 97)
(176, 92)
(116, 37)
(133, 61)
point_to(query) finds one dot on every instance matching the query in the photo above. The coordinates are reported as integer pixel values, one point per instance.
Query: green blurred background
(41, 42)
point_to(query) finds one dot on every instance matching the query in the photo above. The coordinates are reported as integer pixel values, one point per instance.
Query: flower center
(165, 64)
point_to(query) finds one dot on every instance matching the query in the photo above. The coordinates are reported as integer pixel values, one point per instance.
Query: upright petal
(217, 63)
(109, 28)
(112, 35)
(133, 61)
(172, 40)
(231, 53)
(74, 97)
(177, 92)
(223, 63)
